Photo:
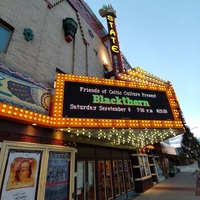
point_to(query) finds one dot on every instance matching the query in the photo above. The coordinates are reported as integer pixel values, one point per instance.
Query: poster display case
(33, 171)
(152, 165)
(141, 163)
(142, 172)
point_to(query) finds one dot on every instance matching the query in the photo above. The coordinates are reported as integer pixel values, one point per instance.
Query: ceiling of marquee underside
(132, 138)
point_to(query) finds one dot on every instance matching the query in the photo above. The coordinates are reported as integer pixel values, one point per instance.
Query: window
(5, 35)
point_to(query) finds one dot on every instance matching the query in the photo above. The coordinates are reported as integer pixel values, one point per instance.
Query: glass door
(91, 184)
(127, 176)
(80, 184)
(121, 177)
(105, 180)
(116, 178)
(86, 185)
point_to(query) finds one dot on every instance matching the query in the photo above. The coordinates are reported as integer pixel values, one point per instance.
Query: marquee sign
(89, 102)
(86, 100)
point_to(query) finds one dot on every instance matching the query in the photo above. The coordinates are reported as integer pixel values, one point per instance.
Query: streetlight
(193, 128)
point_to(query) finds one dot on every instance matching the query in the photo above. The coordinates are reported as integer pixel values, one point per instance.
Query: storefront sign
(82, 100)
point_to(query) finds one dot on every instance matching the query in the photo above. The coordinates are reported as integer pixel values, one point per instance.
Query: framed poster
(58, 175)
(21, 175)
(141, 163)
(146, 164)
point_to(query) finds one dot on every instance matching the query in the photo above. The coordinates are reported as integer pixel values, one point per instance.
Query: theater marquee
(86, 100)
(89, 102)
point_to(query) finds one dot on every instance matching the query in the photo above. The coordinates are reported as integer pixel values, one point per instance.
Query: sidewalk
(183, 186)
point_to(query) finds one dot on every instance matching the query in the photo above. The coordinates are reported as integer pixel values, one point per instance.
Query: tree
(190, 144)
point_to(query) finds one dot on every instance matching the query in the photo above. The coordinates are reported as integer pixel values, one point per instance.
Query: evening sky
(163, 38)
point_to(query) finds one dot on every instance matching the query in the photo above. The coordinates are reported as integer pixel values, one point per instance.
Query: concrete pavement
(183, 186)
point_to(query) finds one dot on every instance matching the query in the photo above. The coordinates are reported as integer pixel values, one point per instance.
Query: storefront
(93, 158)
(165, 158)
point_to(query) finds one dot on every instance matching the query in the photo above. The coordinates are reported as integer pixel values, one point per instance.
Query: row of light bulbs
(146, 75)
(136, 138)
(57, 121)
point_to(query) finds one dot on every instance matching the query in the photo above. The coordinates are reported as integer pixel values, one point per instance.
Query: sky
(163, 38)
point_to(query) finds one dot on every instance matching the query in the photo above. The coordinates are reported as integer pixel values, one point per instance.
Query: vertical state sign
(116, 55)
(84, 100)
(110, 14)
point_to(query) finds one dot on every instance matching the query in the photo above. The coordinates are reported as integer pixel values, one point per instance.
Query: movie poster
(58, 175)
(21, 175)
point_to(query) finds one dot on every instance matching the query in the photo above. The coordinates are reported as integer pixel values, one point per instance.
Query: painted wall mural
(22, 91)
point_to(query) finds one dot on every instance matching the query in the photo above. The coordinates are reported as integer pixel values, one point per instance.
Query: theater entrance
(103, 173)
(86, 182)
